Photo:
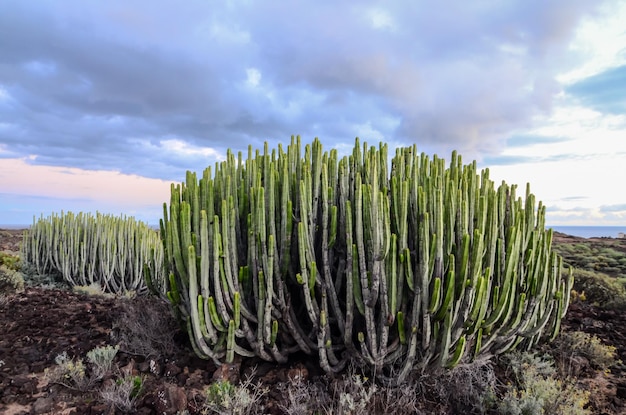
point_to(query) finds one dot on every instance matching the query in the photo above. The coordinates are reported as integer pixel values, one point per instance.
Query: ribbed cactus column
(416, 265)
(117, 253)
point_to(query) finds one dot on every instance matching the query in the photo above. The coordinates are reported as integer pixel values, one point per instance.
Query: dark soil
(39, 324)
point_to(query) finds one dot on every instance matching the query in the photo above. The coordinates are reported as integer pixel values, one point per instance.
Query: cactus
(118, 253)
(413, 266)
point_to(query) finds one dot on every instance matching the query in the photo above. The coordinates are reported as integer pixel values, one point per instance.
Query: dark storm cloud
(106, 85)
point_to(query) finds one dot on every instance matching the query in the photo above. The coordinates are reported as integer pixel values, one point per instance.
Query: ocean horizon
(591, 231)
(580, 231)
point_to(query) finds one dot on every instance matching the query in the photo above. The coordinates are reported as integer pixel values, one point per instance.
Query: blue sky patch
(604, 92)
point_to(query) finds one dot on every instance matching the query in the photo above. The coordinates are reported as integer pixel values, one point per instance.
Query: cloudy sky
(103, 104)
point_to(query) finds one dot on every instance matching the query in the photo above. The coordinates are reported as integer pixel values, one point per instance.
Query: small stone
(20, 380)
(155, 367)
(30, 387)
(298, 373)
(130, 368)
(103, 408)
(194, 381)
(228, 372)
(144, 411)
(171, 369)
(143, 367)
(43, 405)
(272, 377)
(182, 378)
(150, 366)
(169, 400)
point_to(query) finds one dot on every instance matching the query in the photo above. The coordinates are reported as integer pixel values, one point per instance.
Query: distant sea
(590, 231)
(14, 226)
(580, 231)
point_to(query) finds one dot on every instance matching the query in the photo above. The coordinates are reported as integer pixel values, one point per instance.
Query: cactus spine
(410, 266)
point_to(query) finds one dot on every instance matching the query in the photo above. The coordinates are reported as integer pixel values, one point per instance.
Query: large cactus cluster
(116, 253)
(409, 266)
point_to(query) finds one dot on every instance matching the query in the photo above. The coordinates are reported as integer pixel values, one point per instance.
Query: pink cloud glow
(18, 177)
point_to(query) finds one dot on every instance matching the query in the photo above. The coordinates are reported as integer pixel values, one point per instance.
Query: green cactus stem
(414, 266)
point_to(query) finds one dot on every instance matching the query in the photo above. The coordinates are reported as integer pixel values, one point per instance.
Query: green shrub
(10, 280)
(71, 373)
(10, 261)
(578, 343)
(606, 256)
(222, 397)
(220, 393)
(120, 395)
(600, 289)
(11, 277)
(538, 392)
(101, 359)
(52, 280)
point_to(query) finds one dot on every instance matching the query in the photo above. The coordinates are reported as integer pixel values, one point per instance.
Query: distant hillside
(606, 255)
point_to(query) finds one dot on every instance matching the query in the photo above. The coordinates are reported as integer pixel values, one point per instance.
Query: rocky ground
(39, 324)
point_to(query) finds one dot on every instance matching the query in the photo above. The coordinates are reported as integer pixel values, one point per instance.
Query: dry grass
(146, 328)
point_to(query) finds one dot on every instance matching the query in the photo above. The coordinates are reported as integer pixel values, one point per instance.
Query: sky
(104, 104)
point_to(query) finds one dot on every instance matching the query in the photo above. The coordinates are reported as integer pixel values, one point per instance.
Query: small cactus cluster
(117, 253)
(403, 265)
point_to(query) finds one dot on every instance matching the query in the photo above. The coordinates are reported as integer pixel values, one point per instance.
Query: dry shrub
(224, 398)
(93, 289)
(122, 394)
(146, 328)
(401, 400)
(351, 393)
(71, 373)
(467, 388)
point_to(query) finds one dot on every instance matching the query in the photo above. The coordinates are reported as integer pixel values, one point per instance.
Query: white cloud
(585, 216)
(183, 148)
(380, 19)
(41, 68)
(229, 34)
(512, 49)
(253, 77)
(4, 94)
(600, 42)
(575, 187)
(367, 132)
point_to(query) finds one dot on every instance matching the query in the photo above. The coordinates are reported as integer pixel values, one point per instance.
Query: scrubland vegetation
(418, 287)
